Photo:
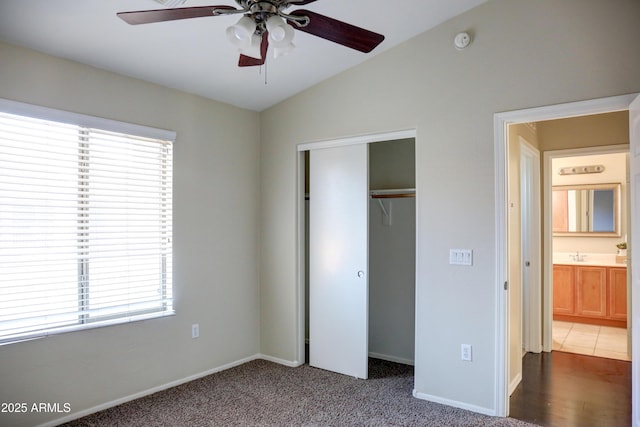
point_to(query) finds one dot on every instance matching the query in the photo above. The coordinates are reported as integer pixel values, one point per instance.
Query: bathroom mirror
(586, 210)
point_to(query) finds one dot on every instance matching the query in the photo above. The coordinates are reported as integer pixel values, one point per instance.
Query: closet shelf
(386, 194)
(393, 193)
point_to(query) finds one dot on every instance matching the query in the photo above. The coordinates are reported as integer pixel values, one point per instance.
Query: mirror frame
(617, 214)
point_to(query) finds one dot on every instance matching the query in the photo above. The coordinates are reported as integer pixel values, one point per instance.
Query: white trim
(454, 403)
(571, 109)
(390, 358)
(301, 258)
(632, 210)
(116, 402)
(585, 151)
(501, 120)
(51, 114)
(515, 383)
(501, 319)
(360, 139)
(289, 363)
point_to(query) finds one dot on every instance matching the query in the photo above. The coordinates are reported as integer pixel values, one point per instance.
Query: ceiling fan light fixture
(241, 34)
(264, 24)
(280, 33)
(254, 48)
(171, 3)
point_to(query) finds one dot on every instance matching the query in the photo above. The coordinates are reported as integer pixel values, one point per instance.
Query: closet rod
(386, 194)
(396, 193)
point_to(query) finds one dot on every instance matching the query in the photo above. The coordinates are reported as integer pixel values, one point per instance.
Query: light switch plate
(466, 352)
(460, 256)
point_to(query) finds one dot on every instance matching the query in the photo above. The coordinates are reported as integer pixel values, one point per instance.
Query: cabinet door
(563, 289)
(618, 293)
(591, 285)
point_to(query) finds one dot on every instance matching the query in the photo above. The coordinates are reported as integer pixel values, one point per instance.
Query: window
(85, 222)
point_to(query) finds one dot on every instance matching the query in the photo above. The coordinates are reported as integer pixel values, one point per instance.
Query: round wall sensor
(462, 40)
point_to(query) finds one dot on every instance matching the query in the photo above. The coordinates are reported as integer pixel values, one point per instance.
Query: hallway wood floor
(564, 390)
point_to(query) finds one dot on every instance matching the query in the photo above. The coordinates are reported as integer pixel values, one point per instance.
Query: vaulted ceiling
(194, 55)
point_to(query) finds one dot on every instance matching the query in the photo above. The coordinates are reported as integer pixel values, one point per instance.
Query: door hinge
(506, 285)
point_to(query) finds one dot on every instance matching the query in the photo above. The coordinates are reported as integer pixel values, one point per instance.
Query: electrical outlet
(466, 352)
(195, 330)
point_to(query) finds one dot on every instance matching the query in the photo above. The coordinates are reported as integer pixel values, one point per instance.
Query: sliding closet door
(338, 259)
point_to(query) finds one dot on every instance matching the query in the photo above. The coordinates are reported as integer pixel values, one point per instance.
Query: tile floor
(592, 340)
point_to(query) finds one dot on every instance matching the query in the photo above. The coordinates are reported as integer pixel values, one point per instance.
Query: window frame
(87, 121)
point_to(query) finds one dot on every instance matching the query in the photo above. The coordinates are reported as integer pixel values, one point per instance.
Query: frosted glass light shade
(241, 34)
(254, 49)
(280, 33)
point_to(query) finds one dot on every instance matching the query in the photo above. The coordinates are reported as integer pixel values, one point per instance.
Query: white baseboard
(455, 404)
(516, 381)
(102, 407)
(291, 364)
(391, 358)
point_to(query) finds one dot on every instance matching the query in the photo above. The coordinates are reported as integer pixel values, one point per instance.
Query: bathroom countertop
(590, 259)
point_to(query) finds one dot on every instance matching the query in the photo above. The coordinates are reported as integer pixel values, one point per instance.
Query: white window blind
(85, 227)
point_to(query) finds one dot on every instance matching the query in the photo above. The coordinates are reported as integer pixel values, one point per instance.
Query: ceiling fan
(264, 23)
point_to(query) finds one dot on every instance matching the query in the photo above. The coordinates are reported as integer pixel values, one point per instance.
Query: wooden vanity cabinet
(590, 294)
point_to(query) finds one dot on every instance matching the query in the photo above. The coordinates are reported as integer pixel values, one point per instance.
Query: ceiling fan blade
(162, 15)
(300, 2)
(249, 61)
(339, 32)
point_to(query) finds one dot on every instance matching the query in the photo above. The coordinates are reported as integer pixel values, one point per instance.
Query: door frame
(300, 217)
(501, 122)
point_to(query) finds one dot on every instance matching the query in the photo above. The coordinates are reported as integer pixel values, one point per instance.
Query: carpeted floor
(262, 393)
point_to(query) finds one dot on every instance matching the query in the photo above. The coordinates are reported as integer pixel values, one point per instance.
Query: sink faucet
(577, 257)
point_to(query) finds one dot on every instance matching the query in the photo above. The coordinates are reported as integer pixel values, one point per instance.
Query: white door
(634, 133)
(338, 259)
(531, 258)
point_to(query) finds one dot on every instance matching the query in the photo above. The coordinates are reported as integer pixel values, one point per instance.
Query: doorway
(387, 314)
(502, 122)
(589, 221)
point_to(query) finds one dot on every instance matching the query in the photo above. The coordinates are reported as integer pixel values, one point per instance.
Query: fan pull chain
(265, 73)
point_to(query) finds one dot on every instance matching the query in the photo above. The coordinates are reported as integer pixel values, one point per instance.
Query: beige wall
(584, 131)
(392, 165)
(216, 241)
(525, 54)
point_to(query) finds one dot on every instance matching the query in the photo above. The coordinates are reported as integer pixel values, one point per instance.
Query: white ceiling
(194, 56)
